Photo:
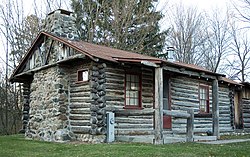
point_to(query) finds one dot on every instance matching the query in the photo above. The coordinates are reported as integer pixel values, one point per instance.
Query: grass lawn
(17, 146)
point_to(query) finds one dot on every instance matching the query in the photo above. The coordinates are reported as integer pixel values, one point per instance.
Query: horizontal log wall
(133, 122)
(225, 109)
(79, 103)
(246, 92)
(246, 113)
(185, 95)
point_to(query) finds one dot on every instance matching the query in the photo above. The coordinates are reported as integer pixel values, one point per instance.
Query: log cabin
(70, 85)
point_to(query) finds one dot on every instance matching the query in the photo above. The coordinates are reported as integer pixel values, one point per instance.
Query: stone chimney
(170, 54)
(61, 23)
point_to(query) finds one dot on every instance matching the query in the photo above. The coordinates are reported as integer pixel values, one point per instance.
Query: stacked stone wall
(49, 106)
(26, 106)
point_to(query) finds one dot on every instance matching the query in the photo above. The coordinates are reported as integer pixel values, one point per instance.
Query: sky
(202, 5)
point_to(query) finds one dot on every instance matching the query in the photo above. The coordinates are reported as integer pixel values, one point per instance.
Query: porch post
(215, 108)
(158, 115)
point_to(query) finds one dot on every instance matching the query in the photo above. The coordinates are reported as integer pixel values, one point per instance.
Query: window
(82, 75)
(133, 90)
(204, 98)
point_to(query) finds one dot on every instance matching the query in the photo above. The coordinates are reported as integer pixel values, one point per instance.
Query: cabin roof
(95, 51)
(112, 54)
(227, 80)
(245, 84)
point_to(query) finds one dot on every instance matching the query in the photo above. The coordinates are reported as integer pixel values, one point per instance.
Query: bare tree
(43, 7)
(11, 14)
(239, 62)
(242, 7)
(218, 39)
(187, 34)
(11, 17)
(24, 36)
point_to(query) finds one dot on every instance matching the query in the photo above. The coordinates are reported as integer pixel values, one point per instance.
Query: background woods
(127, 25)
(213, 40)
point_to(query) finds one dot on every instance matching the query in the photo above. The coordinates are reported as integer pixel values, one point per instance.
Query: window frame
(78, 75)
(206, 87)
(139, 106)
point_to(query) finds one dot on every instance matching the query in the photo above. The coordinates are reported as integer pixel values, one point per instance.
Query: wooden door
(167, 120)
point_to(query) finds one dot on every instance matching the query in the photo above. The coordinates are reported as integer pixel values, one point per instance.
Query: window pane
(83, 75)
(132, 78)
(204, 98)
(131, 101)
(137, 79)
(127, 102)
(130, 94)
(128, 78)
(136, 85)
(127, 93)
(136, 102)
(128, 85)
(133, 86)
(136, 95)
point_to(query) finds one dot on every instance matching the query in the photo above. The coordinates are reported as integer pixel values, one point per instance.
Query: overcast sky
(202, 5)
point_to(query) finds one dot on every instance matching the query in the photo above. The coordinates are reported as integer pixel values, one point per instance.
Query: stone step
(205, 138)
(167, 140)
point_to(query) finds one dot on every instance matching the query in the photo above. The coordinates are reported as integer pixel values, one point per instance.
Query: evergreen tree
(123, 24)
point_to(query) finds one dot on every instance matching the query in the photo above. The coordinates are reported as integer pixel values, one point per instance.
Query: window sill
(133, 107)
(203, 115)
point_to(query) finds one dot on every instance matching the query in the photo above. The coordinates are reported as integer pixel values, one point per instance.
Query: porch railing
(189, 115)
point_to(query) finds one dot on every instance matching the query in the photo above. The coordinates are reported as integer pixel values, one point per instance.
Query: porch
(162, 110)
